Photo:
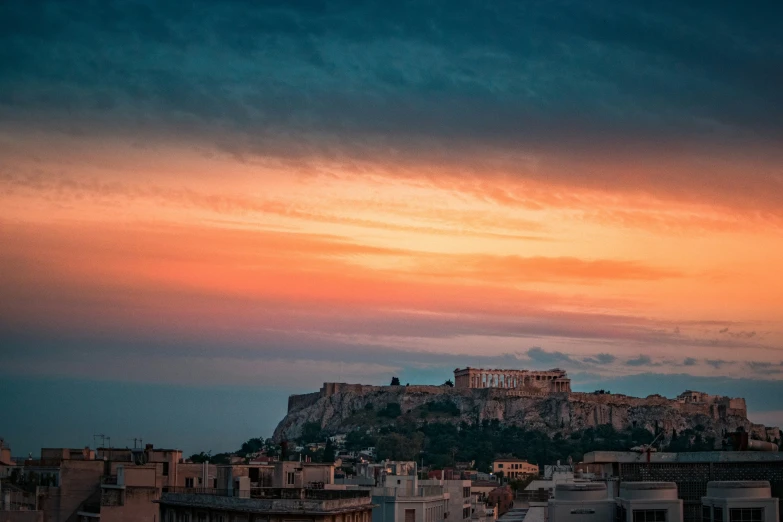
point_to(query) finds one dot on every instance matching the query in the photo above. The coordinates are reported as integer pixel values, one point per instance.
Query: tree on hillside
(395, 381)
(311, 432)
(329, 454)
(448, 383)
(199, 458)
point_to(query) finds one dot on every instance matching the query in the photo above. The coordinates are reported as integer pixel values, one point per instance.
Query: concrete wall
(21, 516)
(581, 511)
(79, 480)
(138, 506)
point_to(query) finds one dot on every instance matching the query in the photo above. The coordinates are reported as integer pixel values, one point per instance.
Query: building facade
(691, 471)
(549, 381)
(514, 468)
(739, 501)
(267, 505)
(459, 501)
(403, 499)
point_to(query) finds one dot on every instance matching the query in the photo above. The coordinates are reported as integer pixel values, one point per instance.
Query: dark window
(649, 515)
(706, 514)
(746, 514)
(465, 492)
(717, 514)
(620, 514)
(583, 511)
(410, 515)
(189, 482)
(165, 469)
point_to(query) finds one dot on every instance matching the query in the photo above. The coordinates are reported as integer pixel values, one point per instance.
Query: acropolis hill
(540, 400)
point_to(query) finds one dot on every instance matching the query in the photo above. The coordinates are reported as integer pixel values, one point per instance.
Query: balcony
(275, 500)
(275, 493)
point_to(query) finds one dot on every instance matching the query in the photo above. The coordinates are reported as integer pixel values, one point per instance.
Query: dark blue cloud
(501, 72)
(578, 79)
(601, 358)
(642, 360)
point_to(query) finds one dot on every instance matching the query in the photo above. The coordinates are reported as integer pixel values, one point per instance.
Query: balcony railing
(274, 493)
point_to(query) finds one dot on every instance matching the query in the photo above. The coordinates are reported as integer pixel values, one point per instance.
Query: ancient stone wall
(299, 402)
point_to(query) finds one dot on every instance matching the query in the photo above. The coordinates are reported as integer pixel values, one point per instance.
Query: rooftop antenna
(102, 437)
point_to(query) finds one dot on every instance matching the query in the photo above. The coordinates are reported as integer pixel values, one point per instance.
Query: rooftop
(606, 457)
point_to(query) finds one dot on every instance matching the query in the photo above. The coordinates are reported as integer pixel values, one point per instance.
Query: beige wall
(514, 469)
(138, 506)
(79, 479)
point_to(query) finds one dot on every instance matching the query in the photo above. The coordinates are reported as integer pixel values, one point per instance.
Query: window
(717, 514)
(465, 492)
(465, 512)
(706, 514)
(410, 515)
(746, 514)
(649, 515)
(583, 511)
(290, 478)
(189, 482)
(165, 469)
(500, 466)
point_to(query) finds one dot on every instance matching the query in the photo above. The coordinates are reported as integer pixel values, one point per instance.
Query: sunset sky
(205, 207)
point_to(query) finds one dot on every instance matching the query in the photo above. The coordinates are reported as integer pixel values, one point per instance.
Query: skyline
(240, 201)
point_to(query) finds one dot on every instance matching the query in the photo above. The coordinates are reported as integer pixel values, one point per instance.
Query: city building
(586, 502)
(690, 471)
(459, 500)
(648, 502)
(514, 468)
(739, 501)
(402, 499)
(549, 381)
(267, 505)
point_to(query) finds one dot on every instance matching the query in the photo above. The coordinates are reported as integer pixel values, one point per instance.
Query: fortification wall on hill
(300, 402)
(714, 406)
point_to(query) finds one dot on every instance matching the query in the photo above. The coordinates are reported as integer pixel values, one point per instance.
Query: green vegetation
(392, 411)
(443, 444)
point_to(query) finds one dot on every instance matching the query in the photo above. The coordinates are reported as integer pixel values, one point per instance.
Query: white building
(648, 502)
(459, 498)
(586, 502)
(740, 501)
(403, 499)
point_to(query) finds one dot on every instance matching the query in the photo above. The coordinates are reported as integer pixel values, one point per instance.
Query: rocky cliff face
(342, 408)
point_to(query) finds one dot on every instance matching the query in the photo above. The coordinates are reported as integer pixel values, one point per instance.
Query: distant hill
(343, 408)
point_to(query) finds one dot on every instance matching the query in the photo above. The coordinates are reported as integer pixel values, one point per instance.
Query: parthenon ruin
(553, 381)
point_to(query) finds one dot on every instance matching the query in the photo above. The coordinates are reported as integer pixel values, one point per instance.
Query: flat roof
(609, 457)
